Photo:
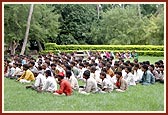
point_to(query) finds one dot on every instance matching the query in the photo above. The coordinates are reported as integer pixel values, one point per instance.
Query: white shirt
(106, 83)
(124, 73)
(74, 82)
(40, 80)
(113, 79)
(50, 84)
(130, 79)
(81, 71)
(17, 71)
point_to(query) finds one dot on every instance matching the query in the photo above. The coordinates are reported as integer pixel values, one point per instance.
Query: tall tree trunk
(27, 30)
(139, 11)
(39, 45)
(98, 11)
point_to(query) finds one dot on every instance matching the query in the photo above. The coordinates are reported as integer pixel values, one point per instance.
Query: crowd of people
(100, 72)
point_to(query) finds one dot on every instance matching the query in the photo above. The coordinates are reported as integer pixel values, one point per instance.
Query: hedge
(140, 53)
(53, 46)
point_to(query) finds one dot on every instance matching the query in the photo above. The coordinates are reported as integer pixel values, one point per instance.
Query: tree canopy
(98, 24)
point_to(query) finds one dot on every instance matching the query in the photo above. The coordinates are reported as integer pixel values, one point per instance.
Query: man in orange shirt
(65, 86)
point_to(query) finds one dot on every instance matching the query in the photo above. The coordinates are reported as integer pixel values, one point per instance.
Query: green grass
(136, 98)
(148, 58)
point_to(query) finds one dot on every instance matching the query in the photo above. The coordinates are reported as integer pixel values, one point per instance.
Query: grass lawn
(136, 98)
(148, 58)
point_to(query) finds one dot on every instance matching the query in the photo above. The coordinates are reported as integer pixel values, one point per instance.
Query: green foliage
(143, 50)
(15, 18)
(136, 98)
(64, 24)
(76, 20)
(44, 24)
(125, 26)
(53, 46)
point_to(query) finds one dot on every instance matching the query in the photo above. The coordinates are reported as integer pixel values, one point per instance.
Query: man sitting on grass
(73, 81)
(121, 84)
(40, 80)
(65, 86)
(147, 77)
(50, 84)
(106, 85)
(91, 84)
(27, 76)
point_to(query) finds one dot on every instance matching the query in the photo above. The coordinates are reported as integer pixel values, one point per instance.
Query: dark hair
(81, 64)
(131, 64)
(104, 70)
(53, 65)
(118, 72)
(136, 60)
(67, 66)
(160, 61)
(48, 72)
(32, 62)
(103, 74)
(136, 65)
(122, 66)
(111, 57)
(68, 72)
(26, 66)
(128, 61)
(86, 73)
(129, 68)
(145, 66)
(39, 67)
(108, 65)
(152, 66)
(73, 63)
(161, 66)
(148, 62)
(157, 63)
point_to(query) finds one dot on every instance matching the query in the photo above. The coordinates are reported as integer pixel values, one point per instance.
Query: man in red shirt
(65, 86)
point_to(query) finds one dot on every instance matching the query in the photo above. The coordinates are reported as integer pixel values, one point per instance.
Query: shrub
(53, 46)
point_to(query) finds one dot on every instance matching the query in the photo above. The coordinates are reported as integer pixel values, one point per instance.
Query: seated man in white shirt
(72, 79)
(106, 85)
(40, 80)
(50, 84)
(129, 76)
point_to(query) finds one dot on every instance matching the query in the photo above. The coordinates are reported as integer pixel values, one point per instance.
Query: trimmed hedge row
(140, 53)
(53, 46)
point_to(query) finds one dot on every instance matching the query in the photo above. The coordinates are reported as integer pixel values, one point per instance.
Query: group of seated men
(100, 74)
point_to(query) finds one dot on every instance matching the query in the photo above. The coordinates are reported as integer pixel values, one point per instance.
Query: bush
(53, 46)
(140, 53)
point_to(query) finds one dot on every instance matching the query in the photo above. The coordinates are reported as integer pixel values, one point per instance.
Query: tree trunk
(13, 46)
(27, 30)
(39, 45)
(139, 11)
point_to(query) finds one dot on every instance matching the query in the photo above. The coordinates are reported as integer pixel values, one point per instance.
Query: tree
(14, 25)
(27, 29)
(75, 23)
(44, 25)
